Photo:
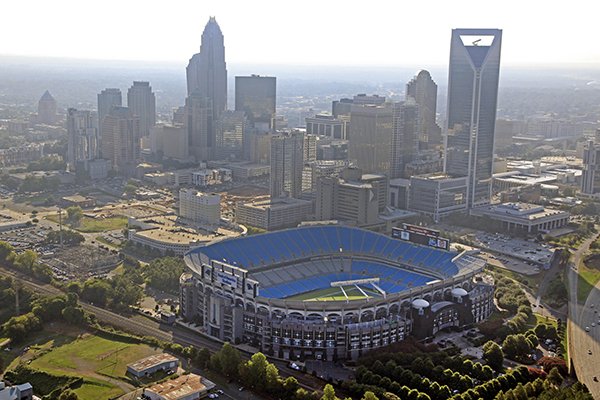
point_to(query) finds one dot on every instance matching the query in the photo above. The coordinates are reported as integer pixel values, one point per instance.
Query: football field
(335, 294)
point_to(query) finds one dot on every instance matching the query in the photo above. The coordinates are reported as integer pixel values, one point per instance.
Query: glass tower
(472, 97)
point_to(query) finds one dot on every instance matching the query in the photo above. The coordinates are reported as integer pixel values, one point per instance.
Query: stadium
(330, 292)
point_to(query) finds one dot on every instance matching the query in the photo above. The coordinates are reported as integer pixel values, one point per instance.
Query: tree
(254, 371)
(493, 355)
(369, 396)
(68, 395)
(7, 253)
(26, 260)
(555, 377)
(74, 215)
(329, 393)
(227, 360)
(163, 273)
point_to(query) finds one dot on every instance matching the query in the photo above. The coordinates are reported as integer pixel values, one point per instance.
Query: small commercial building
(185, 387)
(150, 365)
(532, 218)
(17, 392)
(79, 201)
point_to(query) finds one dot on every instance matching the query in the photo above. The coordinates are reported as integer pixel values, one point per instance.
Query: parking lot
(530, 252)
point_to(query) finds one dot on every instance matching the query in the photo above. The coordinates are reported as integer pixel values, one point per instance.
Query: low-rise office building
(152, 364)
(528, 217)
(273, 214)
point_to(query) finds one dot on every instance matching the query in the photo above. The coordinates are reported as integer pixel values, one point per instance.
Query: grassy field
(101, 362)
(93, 225)
(332, 294)
(588, 277)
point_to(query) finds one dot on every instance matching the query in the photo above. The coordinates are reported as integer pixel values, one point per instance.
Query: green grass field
(93, 225)
(333, 294)
(588, 277)
(101, 362)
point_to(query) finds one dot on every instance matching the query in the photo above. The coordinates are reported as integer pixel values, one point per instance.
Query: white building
(529, 217)
(200, 207)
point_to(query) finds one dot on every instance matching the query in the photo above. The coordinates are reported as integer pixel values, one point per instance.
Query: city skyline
(254, 42)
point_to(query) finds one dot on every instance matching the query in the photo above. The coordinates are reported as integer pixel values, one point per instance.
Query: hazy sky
(331, 32)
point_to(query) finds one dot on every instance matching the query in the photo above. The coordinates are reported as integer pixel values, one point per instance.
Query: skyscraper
(46, 109)
(199, 126)
(255, 95)
(405, 137)
(287, 161)
(472, 97)
(207, 71)
(107, 99)
(82, 139)
(424, 90)
(141, 102)
(590, 178)
(121, 139)
(370, 137)
(230, 134)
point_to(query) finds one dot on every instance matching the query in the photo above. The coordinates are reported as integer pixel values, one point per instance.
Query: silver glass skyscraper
(142, 102)
(472, 97)
(207, 71)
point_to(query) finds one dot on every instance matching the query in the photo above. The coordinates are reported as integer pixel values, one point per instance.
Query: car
(220, 391)
(241, 389)
(593, 324)
(587, 328)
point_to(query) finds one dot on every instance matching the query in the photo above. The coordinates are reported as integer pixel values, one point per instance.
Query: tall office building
(370, 137)
(424, 90)
(199, 126)
(287, 161)
(472, 97)
(590, 178)
(107, 99)
(46, 109)
(405, 137)
(141, 102)
(82, 139)
(310, 148)
(231, 134)
(121, 140)
(207, 71)
(255, 95)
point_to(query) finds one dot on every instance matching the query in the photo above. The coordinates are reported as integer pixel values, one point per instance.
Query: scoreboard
(420, 235)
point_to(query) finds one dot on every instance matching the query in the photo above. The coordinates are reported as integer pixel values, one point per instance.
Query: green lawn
(101, 362)
(588, 277)
(93, 225)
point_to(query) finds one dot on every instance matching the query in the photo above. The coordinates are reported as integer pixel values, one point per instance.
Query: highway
(164, 332)
(581, 343)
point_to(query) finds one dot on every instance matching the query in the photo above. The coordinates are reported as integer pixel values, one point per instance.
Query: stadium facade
(329, 292)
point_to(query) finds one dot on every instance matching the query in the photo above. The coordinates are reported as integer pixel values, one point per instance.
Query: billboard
(226, 279)
(419, 235)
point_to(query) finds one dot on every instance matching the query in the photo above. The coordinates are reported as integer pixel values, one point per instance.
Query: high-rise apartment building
(207, 71)
(199, 125)
(424, 91)
(82, 139)
(255, 95)
(141, 102)
(590, 179)
(353, 197)
(472, 98)
(107, 99)
(287, 161)
(230, 135)
(198, 207)
(370, 137)
(405, 137)
(121, 140)
(46, 109)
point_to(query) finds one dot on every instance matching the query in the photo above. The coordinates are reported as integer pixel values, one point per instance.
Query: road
(164, 332)
(581, 342)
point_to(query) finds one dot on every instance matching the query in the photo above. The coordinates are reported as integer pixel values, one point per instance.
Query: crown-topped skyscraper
(207, 71)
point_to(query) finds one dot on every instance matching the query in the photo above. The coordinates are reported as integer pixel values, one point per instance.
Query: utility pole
(60, 235)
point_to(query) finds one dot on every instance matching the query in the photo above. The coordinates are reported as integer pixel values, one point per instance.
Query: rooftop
(181, 387)
(152, 361)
